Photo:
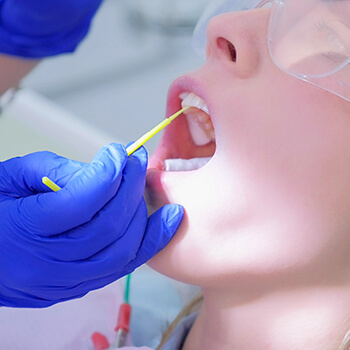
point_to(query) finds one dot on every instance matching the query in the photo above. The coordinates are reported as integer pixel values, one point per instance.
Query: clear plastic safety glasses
(308, 39)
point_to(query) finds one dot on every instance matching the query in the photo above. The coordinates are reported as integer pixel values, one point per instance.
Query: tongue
(185, 164)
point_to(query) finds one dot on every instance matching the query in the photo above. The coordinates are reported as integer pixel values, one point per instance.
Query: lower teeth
(185, 164)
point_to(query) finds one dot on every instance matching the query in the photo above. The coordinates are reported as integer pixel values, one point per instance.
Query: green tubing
(127, 289)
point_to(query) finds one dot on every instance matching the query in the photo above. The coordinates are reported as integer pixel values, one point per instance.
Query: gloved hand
(40, 28)
(56, 246)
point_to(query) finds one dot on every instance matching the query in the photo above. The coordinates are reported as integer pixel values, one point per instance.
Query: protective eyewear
(308, 39)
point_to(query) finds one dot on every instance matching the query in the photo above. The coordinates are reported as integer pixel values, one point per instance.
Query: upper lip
(185, 83)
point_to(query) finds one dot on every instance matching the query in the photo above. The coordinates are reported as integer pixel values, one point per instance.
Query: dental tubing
(100, 341)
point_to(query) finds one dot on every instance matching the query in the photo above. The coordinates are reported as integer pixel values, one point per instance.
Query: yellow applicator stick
(133, 147)
(50, 184)
(143, 139)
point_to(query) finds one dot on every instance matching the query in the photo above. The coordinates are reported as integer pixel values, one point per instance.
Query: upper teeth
(198, 119)
(191, 99)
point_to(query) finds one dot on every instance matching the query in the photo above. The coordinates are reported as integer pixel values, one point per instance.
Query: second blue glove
(40, 28)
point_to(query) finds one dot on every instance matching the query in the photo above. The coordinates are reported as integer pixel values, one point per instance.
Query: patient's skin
(266, 232)
(13, 69)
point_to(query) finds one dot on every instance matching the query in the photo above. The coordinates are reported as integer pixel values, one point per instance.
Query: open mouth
(191, 143)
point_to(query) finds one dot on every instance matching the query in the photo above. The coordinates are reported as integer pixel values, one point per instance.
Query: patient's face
(273, 203)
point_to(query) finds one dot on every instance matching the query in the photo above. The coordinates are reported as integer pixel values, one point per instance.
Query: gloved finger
(38, 18)
(136, 247)
(22, 176)
(107, 226)
(110, 223)
(32, 300)
(66, 280)
(82, 197)
(113, 262)
(105, 262)
(142, 241)
(162, 226)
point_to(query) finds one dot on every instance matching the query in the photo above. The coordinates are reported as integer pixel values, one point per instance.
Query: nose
(239, 40)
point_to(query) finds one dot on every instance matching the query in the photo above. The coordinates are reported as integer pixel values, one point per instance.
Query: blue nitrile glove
(40, 28)
(56, 246)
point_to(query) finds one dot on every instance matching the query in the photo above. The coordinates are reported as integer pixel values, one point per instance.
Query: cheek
(303, 149)
(298, 165)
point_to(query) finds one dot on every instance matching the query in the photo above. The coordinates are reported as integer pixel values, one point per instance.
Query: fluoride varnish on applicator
(133, 147)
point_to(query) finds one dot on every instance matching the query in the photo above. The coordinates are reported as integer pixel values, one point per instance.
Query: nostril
(233, 51)
(228, 48)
